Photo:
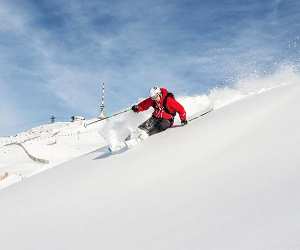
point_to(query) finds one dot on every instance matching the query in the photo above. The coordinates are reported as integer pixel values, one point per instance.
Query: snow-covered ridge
(60, 142)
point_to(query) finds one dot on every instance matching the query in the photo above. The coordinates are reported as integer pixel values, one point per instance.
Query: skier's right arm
(142, 106)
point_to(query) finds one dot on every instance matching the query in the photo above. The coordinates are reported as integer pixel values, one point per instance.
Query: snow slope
(227, 181)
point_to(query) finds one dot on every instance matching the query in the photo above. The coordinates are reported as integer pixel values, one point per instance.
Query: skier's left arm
(142, 106)
(178, 108)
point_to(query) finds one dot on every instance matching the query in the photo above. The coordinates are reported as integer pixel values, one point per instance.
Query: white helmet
(154, 92)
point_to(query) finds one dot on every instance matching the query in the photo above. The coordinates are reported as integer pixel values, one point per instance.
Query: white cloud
(11, 19)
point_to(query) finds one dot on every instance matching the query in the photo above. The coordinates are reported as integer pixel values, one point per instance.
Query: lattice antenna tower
(102, 114)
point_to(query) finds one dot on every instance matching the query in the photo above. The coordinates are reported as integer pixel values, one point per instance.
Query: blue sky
(55, 54)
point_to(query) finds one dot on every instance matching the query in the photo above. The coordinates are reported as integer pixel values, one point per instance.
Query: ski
(194, 118)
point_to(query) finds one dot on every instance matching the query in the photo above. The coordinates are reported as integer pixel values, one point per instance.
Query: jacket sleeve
(172, 103)
(144, 105)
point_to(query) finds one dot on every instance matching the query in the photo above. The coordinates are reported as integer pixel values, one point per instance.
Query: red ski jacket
(166, 108)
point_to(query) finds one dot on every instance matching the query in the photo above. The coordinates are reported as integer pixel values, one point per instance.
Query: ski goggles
(156, 97)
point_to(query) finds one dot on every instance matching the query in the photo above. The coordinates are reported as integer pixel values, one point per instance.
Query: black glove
(184, 122)
(135, 108)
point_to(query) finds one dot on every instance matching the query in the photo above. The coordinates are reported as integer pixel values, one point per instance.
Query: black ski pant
(155, 125)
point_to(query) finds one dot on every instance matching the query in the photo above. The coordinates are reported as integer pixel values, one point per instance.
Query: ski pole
(203, 114)
(116, 114)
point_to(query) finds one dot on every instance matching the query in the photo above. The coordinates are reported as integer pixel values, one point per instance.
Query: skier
(165, 108)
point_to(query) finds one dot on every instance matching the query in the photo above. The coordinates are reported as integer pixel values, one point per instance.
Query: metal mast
(101, 114)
